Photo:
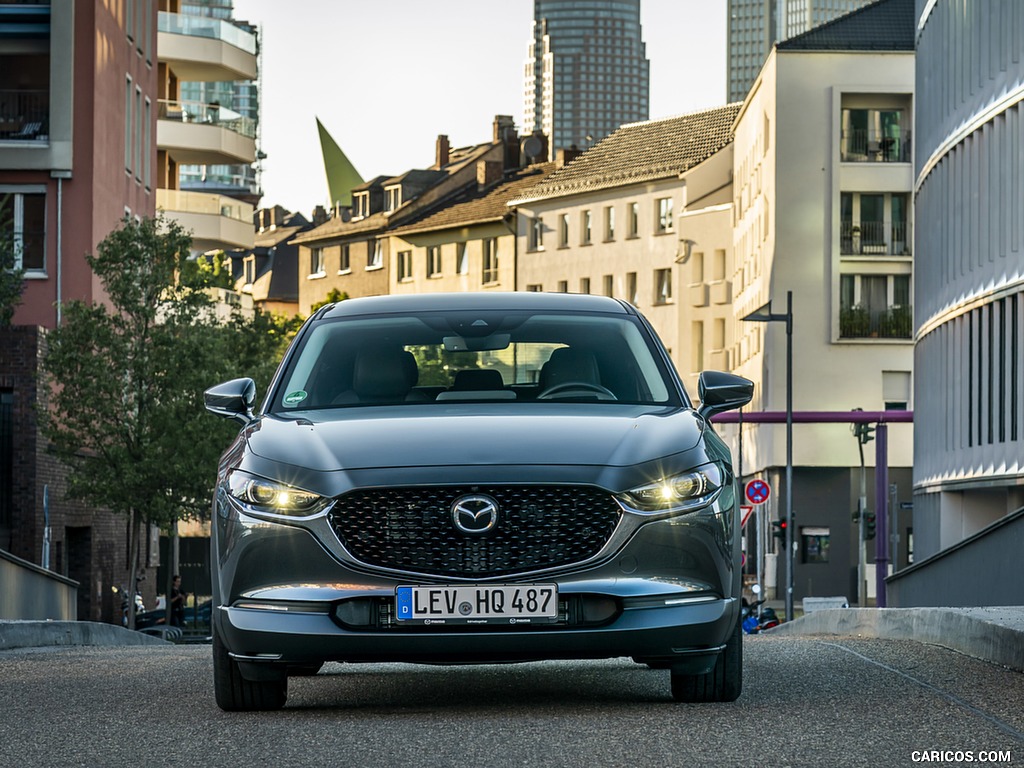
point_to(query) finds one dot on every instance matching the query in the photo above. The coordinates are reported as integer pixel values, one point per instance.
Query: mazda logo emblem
(475, 514)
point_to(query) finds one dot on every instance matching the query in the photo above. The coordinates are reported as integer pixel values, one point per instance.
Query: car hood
(417, 436)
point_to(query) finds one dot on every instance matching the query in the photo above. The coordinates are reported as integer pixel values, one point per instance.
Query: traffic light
(869, 525)
(779, 528)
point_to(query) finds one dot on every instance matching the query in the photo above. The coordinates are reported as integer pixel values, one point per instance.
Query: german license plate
(476, 604)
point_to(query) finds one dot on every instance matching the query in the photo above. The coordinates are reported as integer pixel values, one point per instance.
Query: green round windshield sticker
(294, 398)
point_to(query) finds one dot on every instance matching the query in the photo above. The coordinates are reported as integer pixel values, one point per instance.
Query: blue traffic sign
(757, 491)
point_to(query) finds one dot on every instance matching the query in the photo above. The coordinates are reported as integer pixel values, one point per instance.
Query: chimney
(488, 173)
(443, 152)
(503, 126)
(319, 215)
(565, 156)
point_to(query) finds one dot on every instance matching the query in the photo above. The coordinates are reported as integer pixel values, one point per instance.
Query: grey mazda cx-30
(475, 478)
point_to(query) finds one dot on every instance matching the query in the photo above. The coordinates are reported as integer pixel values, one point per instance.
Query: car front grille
(411, 529)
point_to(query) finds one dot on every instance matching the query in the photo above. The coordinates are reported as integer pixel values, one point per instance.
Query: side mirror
(233, 399)
(720, 392)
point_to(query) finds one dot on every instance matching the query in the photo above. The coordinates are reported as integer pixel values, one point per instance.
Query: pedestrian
(177, 602)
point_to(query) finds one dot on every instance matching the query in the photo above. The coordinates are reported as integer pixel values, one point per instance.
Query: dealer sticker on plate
(478, 604)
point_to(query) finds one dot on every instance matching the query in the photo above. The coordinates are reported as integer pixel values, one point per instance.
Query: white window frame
(666, 222)
(433, 261)
(403, 269)
(663, 286)
(461, 259)
(489, 260)
(375, 255)
(17, 194)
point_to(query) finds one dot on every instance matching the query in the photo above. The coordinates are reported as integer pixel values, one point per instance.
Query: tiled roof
(338, 227)
(473, 206)
(638, 152)
(888, 25)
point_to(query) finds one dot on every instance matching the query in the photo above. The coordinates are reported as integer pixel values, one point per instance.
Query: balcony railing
(860, 322)
(203, 26)
(874, 238)
(210, 114)
(24, 115)
(204, 203)
(863, 146)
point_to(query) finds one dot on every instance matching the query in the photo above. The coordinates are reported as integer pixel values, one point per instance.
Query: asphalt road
(807, 701)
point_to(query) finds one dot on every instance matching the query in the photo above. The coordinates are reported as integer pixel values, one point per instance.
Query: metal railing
(874, 238)
(209, 114)
(867, 146)
(203, 26)
(860, 322)
(24, 115)
(204, 203)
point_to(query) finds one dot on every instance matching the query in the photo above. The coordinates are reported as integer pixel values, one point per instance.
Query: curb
(37, 634)
(990, 634)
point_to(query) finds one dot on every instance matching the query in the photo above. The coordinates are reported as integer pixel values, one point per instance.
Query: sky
(386, 78)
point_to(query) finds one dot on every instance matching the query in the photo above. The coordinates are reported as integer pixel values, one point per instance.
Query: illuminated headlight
(261, 495)
(678, 493)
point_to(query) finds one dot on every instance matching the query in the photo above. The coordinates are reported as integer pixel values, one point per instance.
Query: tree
(333, 297)
(11, 279)
(126, 412)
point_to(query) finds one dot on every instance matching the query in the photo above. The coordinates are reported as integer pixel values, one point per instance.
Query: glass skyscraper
(587, 72)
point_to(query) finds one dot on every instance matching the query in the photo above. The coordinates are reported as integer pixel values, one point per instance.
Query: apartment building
(78, 86)
(606, 223)
(822, 183)
(468, 244)
(203, 49)
(352, 252)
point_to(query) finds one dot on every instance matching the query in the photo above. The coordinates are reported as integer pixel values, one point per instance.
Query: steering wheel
(560, 390)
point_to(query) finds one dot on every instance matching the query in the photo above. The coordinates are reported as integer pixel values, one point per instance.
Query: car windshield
(439, 357)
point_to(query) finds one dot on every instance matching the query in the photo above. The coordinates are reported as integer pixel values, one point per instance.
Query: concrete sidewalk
(990, 634)
(37, 634)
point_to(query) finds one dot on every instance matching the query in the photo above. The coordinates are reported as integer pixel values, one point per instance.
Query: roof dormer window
(392, 198)
(360, 205)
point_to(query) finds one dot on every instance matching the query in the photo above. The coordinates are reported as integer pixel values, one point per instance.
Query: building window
(361, 205)
(147, 164)
(536, 236)
(631, 296)
(584, 285)
(563, 286)
(585, 232)
(404, 266)
(25, 213)
(461, 260)
(434, 261)
(665, 223)
(345, 261)
(633, 224)
(139, 128)
(128, 132)
(392, 198)
(534, 288)
(814, 544)
(375, 259)
(608, 281)
(874, 136)
(249, 266)
(663, 286)
(875, 306)
(609, 223)
(563, 230)
(697, 346)
(874, 223)
(490, 260)
(316, 262)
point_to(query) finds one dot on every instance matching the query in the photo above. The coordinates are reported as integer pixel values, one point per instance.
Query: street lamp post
(765, 315)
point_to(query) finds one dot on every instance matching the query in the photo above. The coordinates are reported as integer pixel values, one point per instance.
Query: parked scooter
(754, 620)
(122, 594)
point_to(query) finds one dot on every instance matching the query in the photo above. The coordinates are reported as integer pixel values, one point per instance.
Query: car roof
(483, 300)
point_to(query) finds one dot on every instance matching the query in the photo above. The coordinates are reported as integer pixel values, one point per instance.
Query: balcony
(194, 133)
(203, 49)
(24, 115)
(867, 146)
(874, 238)
(860, 322)
(215, 221)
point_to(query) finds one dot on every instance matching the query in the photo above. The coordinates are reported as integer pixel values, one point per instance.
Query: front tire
(723, 683)
(236, 694)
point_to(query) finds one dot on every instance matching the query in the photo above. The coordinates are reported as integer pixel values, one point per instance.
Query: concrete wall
(982, 570)
(30, 592)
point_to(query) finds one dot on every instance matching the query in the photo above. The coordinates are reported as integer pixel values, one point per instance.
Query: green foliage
(854, 322)
(214, 269)
(333, 297)
(11, 280)
(126, 411)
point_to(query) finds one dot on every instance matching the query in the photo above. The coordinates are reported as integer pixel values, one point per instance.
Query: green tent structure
(341, 174)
